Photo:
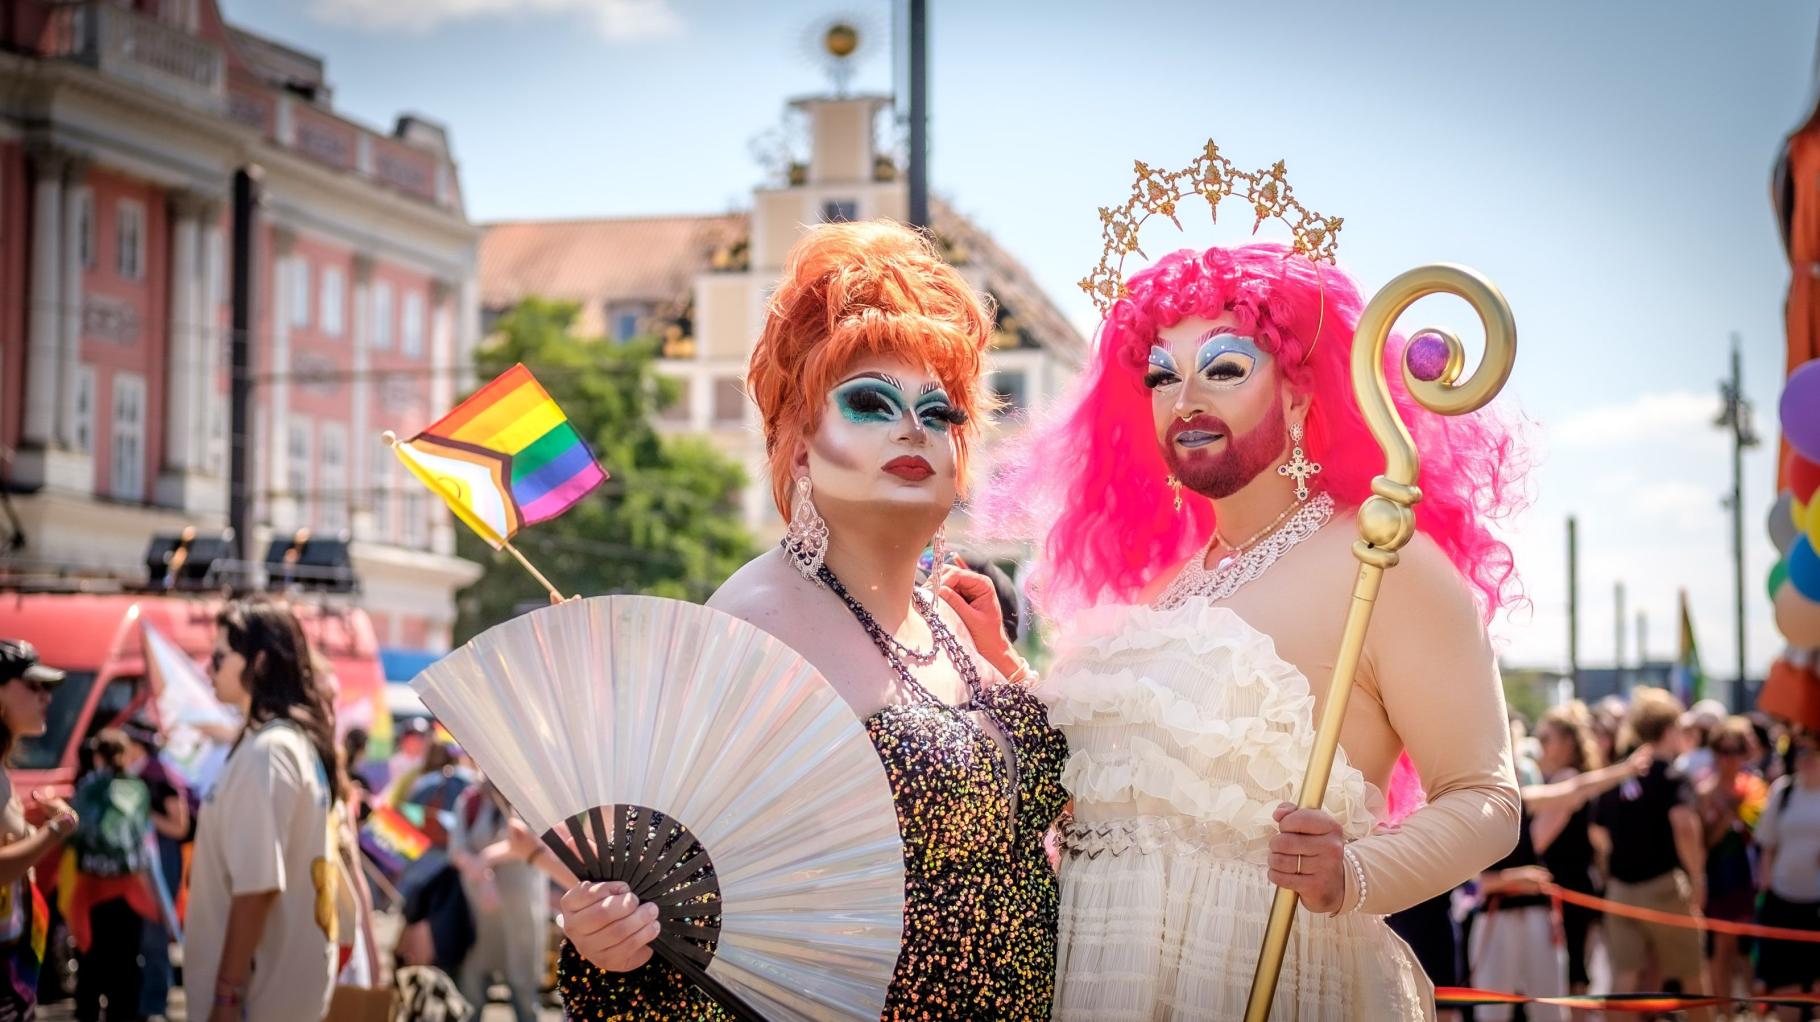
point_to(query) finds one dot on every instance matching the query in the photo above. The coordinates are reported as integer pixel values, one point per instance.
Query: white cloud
(615, 20)
(1674, 416)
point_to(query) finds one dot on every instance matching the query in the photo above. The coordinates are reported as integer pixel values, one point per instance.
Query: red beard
(1238, 462)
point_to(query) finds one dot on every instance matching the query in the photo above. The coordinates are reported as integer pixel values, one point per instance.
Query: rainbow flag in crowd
(505, 458)
(391, 841)
(1688, 680)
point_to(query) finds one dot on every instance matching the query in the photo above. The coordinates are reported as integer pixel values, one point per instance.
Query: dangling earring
(938, 553)
(1299, 467)
(806, 540)
(1176, 485)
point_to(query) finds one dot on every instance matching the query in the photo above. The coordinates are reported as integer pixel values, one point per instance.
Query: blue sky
(1607, 163)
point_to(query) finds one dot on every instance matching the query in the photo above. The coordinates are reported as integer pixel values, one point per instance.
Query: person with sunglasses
(1731, 798)
(25, 698)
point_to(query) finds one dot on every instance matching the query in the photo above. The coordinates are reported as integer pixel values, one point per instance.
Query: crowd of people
(1661, 811)
(261, 879)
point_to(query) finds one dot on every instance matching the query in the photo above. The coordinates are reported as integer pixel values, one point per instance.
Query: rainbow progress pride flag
(391, 841)
(505, 458)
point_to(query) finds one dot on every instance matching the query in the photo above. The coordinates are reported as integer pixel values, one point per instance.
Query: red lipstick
(910, 468)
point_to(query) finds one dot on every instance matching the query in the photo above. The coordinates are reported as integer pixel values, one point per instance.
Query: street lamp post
(1735, 415)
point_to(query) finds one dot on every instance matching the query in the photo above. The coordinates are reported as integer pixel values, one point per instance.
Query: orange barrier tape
(1462, 997)
(1650, 915)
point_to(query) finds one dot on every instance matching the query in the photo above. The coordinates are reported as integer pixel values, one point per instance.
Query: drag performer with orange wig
(867, 377)
(1194, 506)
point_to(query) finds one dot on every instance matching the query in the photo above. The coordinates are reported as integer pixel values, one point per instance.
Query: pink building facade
(122, 123)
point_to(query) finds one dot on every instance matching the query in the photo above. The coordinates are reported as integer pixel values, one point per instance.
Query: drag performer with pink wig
(1192, 504)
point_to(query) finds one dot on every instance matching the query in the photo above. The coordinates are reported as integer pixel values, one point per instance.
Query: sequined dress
(1186, 730)
(979, 894)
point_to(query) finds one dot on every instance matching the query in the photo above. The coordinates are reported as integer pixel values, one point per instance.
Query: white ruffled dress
(1185, 731)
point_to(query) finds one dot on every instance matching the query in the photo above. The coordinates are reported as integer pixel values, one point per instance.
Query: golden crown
(1214, 178)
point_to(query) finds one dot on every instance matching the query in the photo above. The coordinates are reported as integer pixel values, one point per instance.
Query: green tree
(667, 521)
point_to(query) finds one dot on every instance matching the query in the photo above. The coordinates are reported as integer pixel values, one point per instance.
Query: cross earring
(1176, 485)
(1299, 467)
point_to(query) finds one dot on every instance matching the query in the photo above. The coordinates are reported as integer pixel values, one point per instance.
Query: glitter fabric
(979, 895)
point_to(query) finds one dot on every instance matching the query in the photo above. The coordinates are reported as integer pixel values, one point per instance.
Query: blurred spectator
(112, 898)
(1731, 800)
(1523, 751)
(354, 759)
(1698, 725)
(1789, 835)
(1658, 857)
(170, 808)
(262, 930)
(1608, 721)
(410, 745)
(1563, 837)
(25, 696)
(509, 897)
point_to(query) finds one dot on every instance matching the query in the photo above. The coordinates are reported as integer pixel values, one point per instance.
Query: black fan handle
(714, 988)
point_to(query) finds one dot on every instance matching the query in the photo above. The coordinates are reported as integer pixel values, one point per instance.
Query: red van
(96, 639)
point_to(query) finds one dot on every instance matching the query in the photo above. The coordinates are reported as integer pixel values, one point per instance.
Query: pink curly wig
(1090, 480)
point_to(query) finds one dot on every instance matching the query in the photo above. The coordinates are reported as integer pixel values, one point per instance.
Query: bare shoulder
(767, 591)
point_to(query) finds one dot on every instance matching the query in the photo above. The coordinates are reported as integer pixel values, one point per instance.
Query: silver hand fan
(708, 766)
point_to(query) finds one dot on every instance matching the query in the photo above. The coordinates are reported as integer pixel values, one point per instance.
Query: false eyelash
(1224, 371)
(1155, 379)
(869, 401)
(952, 416)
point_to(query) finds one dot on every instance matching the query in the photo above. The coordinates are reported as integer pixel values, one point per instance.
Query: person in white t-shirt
(1789, 835)
(261, 935)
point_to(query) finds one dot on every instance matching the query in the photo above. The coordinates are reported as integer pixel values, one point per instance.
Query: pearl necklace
(1246, 563)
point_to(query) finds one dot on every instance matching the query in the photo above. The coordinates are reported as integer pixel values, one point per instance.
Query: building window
(729, 401)
(416, 511)
(85, 227)
(218, 435)
(626, 321)
(126, 455)
(297, 466)
(300, 291)
(839, 210)
(382, 315)
(129, 239)
(381, 497)
(410, 332)
(332, 477)
(1012, 390)
(85, 409)
(334, 300)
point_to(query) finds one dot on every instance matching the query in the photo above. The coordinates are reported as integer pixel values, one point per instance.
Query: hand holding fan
(710, 768)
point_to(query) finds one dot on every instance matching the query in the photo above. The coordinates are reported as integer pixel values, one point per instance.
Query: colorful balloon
(1804, 569)
(1803, 475)
(1801, 409)
(1809, 523)
(1778, 577)
(1798, 618)
(1782, 528)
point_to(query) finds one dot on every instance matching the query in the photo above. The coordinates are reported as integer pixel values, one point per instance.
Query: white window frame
(332, 476)
(126, 451)
(382, 316)
(382, 481)
(129, 239)
(85, 409)
(297, 466)
(416, 511)
(334, 293)
(410, 328)
(299, 284)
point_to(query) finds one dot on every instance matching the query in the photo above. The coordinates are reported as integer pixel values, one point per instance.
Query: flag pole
(391, 440)
(555, 596)
(1387, 519)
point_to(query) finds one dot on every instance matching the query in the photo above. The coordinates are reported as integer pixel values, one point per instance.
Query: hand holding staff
(1387, 520)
